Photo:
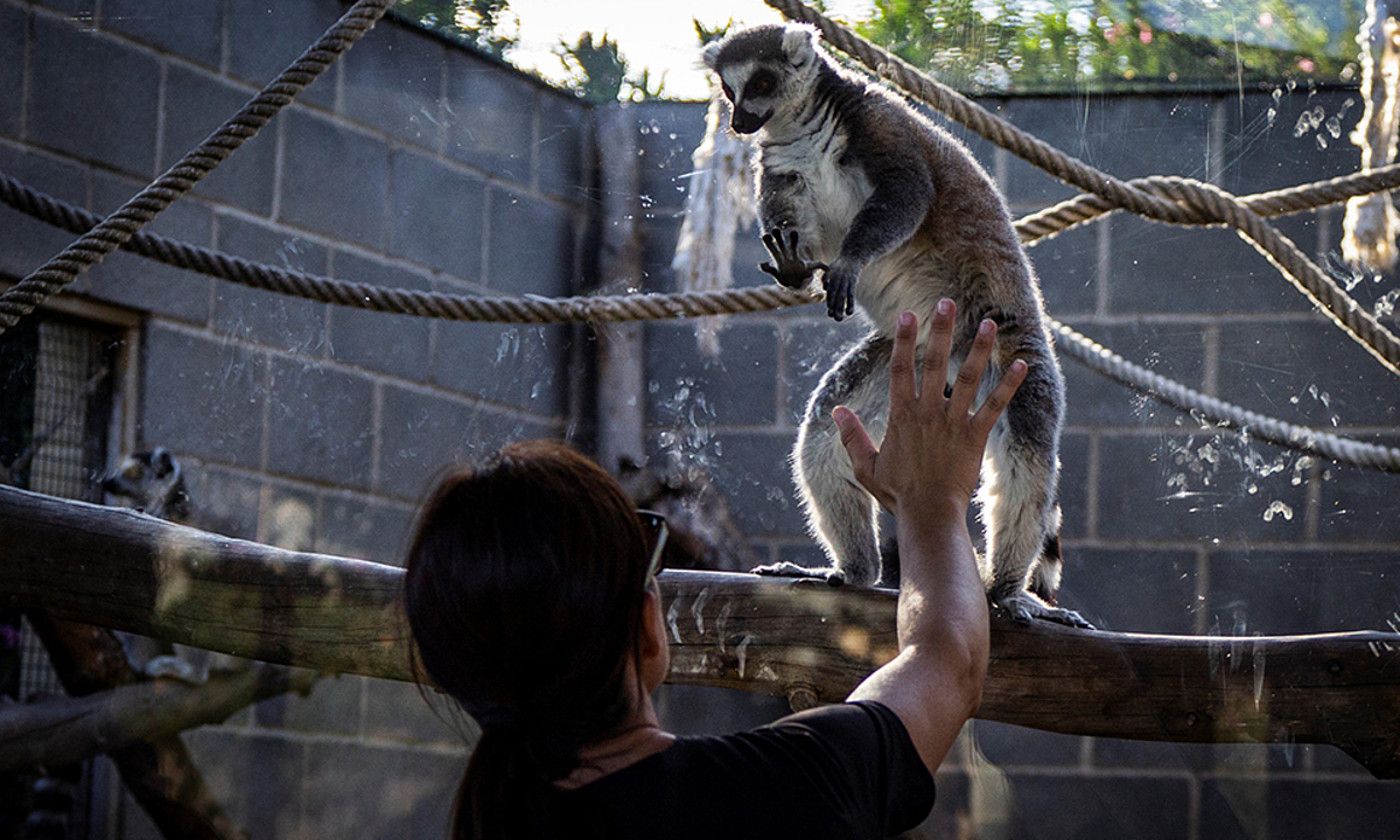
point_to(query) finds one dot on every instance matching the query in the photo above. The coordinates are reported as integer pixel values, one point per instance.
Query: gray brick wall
(412, 162)
(415, 163)
(1167, 525)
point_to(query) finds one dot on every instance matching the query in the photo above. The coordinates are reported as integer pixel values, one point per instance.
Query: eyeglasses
(655, 526)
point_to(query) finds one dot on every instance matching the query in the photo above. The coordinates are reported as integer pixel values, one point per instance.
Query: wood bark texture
(810, 643)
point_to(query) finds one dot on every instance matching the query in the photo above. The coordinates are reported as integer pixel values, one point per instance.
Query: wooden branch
(807, 642)
(60, 730)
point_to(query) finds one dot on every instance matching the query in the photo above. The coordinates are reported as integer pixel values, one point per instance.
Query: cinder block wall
(416, 163)
(412, 162)
(1169, 527)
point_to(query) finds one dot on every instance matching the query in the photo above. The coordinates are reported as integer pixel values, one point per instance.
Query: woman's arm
(925, 472)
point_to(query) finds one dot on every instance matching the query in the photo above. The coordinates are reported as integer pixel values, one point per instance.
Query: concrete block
(522, 366)
(564, 151)
(741, 383)
(79, 10)
(195, 105)
(1289, 809)
(263, 39)
(1167, 757)
(222, 501)
(193, 28)
(752, 466)
(281, 321)
(258, 778)
(1276, 591)
(364, 529)
(378, 792)
(14, 31)
(1359, 505)
(332, 708)
(1197, 488)
(669, 132)
(1174, 350)
(1309, 373)
(26, 242)
(1068, 268)
(532, 246)
(437, 215)
(423, 434)
(394, 344)
(1157, 268)
(1135, 590)
(393, 82)
(288, 518)
(202, 396)
(320, 426)
(659, 234)
(144, 284)
(810, 347)
(1042, 807)
(92, 97)
(1005, 745)
(334, 180)
(489, 116)
(399, 711)
(1074, 486)
(1272, 143)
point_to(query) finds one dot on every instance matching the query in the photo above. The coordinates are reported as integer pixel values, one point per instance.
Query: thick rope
(528, 310)
(1197, 204)
(140, 209)
(611, 308)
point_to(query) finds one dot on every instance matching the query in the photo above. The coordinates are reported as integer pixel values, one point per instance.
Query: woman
(533, 602)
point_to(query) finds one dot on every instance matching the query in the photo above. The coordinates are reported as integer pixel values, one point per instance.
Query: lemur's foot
(833, 576)
(1024, 606)
(170, 666)
(788, 267)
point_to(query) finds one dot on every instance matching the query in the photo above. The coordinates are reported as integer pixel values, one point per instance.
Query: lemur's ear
(799, 42)
(710, 54)
(162, 461)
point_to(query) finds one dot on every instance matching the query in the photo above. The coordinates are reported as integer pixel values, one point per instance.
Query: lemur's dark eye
(728, 93)
(761, 84)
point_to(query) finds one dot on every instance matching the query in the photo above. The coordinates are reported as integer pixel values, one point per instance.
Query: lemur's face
(765, 72)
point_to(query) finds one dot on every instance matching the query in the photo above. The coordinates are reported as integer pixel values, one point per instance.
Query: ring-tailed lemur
(153, 482)
(896, 214)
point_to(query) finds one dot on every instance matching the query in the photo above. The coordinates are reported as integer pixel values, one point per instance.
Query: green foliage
(1031, 45)
(598, 72)
(480, 23)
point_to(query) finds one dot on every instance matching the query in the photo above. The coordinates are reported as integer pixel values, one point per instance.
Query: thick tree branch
(60, 730)
(136, 573)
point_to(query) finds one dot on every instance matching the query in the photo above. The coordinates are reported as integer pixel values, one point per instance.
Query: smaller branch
(61, 730)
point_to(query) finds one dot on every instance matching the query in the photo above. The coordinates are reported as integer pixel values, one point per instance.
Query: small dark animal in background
(152, 482)
(895, 213)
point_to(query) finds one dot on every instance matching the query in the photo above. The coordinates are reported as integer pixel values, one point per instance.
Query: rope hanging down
(1178, 203)
(520, 310)
(141, 208)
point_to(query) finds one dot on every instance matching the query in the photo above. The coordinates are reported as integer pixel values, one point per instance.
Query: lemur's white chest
(832, 193)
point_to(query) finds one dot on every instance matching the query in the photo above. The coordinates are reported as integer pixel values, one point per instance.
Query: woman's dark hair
(524, 594)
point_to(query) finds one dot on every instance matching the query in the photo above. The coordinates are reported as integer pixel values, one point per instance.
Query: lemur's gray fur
(896, 214)
(152, 482)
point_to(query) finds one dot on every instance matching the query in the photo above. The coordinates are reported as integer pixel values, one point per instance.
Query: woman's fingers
(906, 332)
(858, 445)
(970, 374)
(940, 343)
(1000, 398)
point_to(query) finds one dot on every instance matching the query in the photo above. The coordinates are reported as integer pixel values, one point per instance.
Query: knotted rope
(109, 235)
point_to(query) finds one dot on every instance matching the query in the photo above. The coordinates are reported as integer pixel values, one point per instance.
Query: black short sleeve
(845, 772)
(864, 754)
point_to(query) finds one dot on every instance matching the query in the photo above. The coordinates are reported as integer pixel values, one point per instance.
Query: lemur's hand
(840, 283)
(788, 267)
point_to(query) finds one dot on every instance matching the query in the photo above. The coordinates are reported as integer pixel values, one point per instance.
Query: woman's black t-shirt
(846, 771)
